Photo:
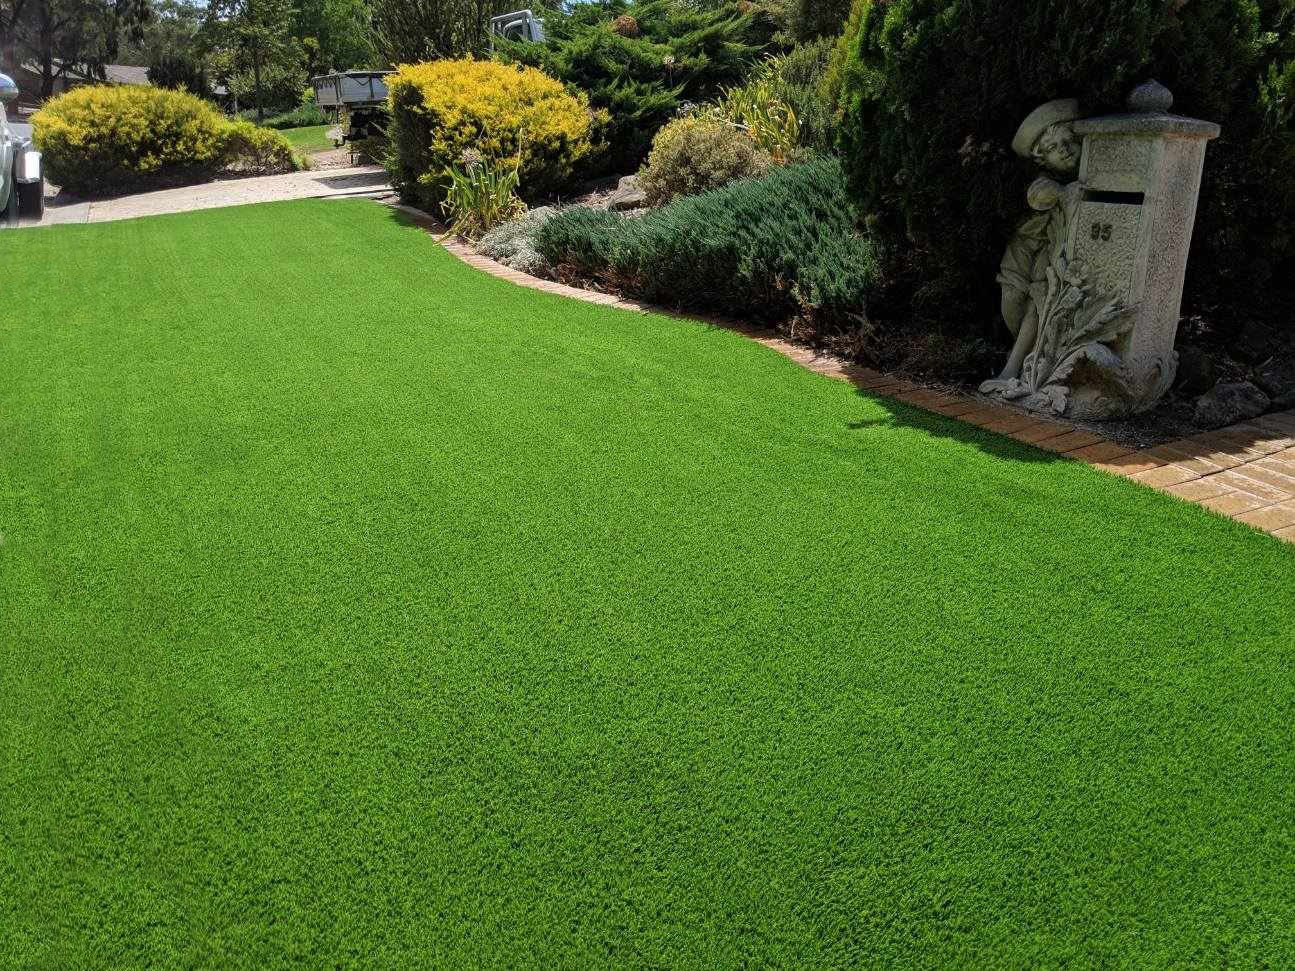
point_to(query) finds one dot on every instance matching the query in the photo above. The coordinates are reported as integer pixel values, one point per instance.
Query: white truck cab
(22, 183)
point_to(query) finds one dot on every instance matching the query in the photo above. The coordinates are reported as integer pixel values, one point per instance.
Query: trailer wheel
(31, 199)
(11, 207)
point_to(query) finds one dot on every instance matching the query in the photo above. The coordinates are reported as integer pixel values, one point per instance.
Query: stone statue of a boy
(1047, 137)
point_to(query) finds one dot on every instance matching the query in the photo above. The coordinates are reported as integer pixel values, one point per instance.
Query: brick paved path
(1246, 472)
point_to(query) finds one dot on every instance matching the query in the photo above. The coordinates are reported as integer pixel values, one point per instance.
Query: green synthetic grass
(312, 138)
(362, 609)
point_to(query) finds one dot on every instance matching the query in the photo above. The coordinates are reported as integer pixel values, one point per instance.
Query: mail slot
(1118, 198)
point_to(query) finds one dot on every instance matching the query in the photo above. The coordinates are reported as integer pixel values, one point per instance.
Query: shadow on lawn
(901, 415)
(412, 217)
(355, 180)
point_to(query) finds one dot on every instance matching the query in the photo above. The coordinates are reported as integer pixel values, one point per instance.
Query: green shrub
(305, 115)
(698, 153)
(680, 53)
(811, 19)
(797, 78)
(756, 109)
(777, 249)
(99, 138)
(781, 104)
(931, 92)
(441, 109)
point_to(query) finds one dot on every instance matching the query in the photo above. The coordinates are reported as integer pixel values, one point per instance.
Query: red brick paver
(1164, 476)
(1071, 442)
(1246, 472)
(1280, 517)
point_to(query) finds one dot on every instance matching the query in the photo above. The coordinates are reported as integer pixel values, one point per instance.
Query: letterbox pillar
(1140, 174)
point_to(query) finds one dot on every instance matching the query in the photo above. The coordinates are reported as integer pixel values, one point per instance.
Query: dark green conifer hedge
(679, 53)
(931, 91)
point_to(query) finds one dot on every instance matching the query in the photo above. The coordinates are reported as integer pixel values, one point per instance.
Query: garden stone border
(1245, 472)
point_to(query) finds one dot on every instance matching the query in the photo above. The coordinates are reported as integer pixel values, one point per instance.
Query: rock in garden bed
(1277, 380)
(1230, 402)
(626, 196)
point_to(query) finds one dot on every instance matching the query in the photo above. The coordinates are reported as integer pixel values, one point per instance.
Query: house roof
(113, 73)
(126, 74)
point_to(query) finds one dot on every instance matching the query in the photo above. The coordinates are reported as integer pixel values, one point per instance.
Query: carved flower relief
(1076, 334)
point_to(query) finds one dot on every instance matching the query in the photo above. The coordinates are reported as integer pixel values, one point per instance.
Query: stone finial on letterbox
(1093, 281)
(1150, 96)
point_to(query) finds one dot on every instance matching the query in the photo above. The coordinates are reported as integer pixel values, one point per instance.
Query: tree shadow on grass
(375, 179)
(900, 414)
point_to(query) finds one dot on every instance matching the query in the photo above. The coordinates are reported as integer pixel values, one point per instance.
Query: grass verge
(312, 138)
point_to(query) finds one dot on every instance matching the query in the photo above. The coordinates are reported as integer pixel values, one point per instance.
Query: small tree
(335, 33)
(172, 28)
(262, 53)
(179, 72)
(63, 34)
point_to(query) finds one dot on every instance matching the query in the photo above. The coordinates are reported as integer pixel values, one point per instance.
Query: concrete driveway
(364, 180)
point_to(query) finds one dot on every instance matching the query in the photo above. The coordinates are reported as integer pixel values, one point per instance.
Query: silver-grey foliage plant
(513, 243)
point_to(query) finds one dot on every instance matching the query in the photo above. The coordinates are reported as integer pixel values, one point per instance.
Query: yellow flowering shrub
(441, 109)
(98, 138)
(253, 150)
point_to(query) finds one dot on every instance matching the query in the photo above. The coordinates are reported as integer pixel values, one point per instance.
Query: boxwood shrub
(440, 109)
(777, 249)
(697, 153)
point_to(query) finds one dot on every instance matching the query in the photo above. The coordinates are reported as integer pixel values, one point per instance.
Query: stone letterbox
(1139, 176)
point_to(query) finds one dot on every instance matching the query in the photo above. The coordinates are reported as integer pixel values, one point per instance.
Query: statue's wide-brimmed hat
(1038, 120)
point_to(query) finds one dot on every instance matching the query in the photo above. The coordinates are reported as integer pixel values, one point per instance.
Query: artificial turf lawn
(361, 608)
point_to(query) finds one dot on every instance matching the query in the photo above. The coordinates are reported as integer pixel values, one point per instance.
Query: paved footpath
(1245, 472)
(364, 180)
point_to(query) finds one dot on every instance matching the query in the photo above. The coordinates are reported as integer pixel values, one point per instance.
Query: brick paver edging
(1245, 472)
